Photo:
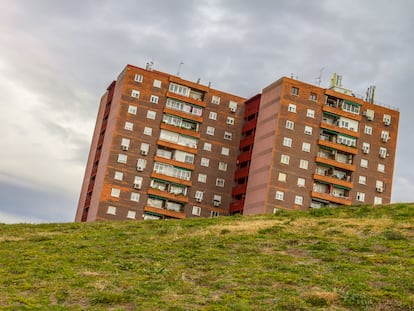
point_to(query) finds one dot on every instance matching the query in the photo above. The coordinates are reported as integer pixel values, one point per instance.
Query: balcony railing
(333, 144)
(168, 195)
(332, 179)
(165, 212)
(331, 198)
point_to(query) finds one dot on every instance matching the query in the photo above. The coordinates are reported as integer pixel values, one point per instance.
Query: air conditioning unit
(140, 168)
(364, 113)
(385, 139)
(352, 129)
(216, 203)
(369, 118)
(144, 152)
(137, 186)
(380, 190)
(198, 200)
(365, 150)
(382, 155)
(387, 122)
(125, 148)
(233, 109)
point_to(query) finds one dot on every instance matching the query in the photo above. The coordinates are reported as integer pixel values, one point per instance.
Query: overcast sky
(57, 58)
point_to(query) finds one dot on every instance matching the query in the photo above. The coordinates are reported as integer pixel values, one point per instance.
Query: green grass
(358, 258)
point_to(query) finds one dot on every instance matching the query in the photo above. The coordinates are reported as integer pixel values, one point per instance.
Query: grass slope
(358, 258)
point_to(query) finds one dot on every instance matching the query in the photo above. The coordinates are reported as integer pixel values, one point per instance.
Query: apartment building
(162, 147)
(316, 147)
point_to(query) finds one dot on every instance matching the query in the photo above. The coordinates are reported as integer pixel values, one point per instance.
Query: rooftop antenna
(149, 65)
(179, 67)
(319, 79)
(370, 95)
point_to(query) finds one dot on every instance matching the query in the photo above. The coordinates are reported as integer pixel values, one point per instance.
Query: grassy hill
(359, 258)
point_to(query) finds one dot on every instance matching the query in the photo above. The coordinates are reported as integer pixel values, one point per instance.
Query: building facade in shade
(162, 147)
(316, 147)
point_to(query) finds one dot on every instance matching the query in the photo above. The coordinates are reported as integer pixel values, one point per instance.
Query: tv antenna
(319, 78)
(179, 67)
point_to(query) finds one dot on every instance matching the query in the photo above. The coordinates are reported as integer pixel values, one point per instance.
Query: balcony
(183, 114)
(332, 162)
(338, 129)
(176, 146)
(164, 212)
(244, 156)
(248, 125)
(241, 172)
(237, 206)
(333, 180)
(340, 112)
(186, 99)
(331, 198)
(171, 179)
(180, 130)
(239, 189)
(247, 141)
(188, 166)
(168, 195)
(334, 145)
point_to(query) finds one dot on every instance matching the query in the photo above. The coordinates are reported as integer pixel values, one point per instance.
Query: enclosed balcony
(332, 140)
(332, 193)
(335, 158)
(334, 176)
(341, 107)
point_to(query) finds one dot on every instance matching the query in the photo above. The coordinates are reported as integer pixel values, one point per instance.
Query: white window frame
(310, 113)
(284, 159)
(135, 93)
(196, 210)
(138, 78)
(230, 120)
(360, 196)
(129, 126)
(290, 125)
(287, 142)
(377, 200)
(383, 152)
(135, 196)
(202, 178)
(306, 147)
(131, 214)
(119, 175)
(280, 195)
(282, 177)
(362, 180)
(125, 142)
(157, 83)
(115, 192)
(301, 182)
(225, 151)
(364, 163)
(308, 130)
(220, 182)
(215, 100)
(151, 114)
(132, 109)
(111, 210)
(210, 130)
(207, 147)
(294, 91)
(368, 130)
(292, 108)
(212, 115)
(298, 200)
(205, 162)
(303, 164)
(154, 99)
(381, 167)
(148, 131)
(228, 135)
(222, 166)
(122, 158)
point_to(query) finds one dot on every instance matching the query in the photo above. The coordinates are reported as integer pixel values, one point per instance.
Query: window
(111, 210)
(202, 178)
(301, 182)
(365, 148)
(141, 164)
(304, 164)
(282, 177)
(199, 195)
(207, 146)
(132, 109)
(135, 196)
(381, 168)
(306, 147)
(137, 182)
(225, 151)
(290, 124)
(210, 130)
(138, 78)
(151, 114)
(362, 180)
(118, 175)
(370, 114)
(154, 99)
(125, 143)
(368, 130)
(383, 152)
(214, 214)
(115, 192)
(135, 94)
(310, 113)
(295, 91)
(312, 96)
(220, 182)
(222, 166)
(284, 159)
(196, 211)
(131, 214)
(279, 195)
(364, 163)
(387, 119)
(350, 107)
(379, 185)
(292, 108)
(360, 196)
(144, 148)
(204, 162)
(298, 200)
(385, 136)
(148, 131)
(129, 126)
(212, 115)
(377, 200)
(287, 142)
(157, 83)
(179, 89)
(215, 100)
(308, 130)
(122, 158)
(217, 200)
(232, 106)
(230, 121)
(228, 135)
